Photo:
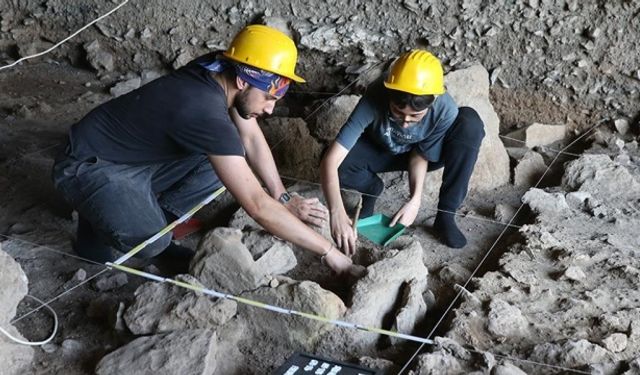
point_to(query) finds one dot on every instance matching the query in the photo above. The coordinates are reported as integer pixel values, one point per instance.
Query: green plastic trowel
(376, 229)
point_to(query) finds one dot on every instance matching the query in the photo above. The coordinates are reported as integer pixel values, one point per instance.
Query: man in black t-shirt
(147, 157)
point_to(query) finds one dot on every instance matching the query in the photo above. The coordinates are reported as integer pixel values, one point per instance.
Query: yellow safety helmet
(417, 72)
(265, 48)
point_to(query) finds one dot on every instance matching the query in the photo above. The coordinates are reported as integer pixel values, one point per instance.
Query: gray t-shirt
(372, 117)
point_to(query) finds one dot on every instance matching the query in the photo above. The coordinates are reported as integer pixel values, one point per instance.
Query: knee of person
(473, 127)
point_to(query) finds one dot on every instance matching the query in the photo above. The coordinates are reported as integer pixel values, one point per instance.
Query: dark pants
(122, 205)
(460, 150)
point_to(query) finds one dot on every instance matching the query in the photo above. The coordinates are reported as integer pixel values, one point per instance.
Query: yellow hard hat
(417, 72)
(265, 48)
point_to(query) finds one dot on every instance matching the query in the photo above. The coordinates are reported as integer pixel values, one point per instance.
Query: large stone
(162, 307)
(602, 178)
(296, 152)
(374, 299)
(570, 354)
(15, 358)
(470, 87)
(183, 352)
(545, 203)
(326, 123)
(413, 308)
(305, 296)
(507, 369)
(15, 286)
(99, 58)
(535, 135)
(224, 263)
(438, 363)
(506, 320)
(529, 169)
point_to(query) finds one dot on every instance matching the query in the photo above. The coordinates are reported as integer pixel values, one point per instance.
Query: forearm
(262, 163)
(330, 180)
(417, 172)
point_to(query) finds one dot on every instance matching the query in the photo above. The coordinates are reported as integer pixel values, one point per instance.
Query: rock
(278, 23)
(507, 369)
(182, 58)
(453, 274)
(329, 119)
(125, 87)
(385, 366)
(570, 354)
(287, 137)
(470, 87)
(534, 135)
(15, 358)
(183, 352)
(50, 348)
(224, 263)
(438, 363)
(149, 75)
(162, 307)
(622, 125)
(599, 176)
(506, 320)
(77, 278)
(574, 273)
(110, 282)
(577, 199)
(305, 296)
(504, 212)
(11, 274)
(412, 311)
(616, 342)
(32, 48)
(529, 170)
(374, 297)
(98, 58)
(545, 203)
(72, 347)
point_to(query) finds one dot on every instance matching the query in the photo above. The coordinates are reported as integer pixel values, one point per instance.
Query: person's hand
(338, 262)
(342, 233)
(407, 214)
(310, 210)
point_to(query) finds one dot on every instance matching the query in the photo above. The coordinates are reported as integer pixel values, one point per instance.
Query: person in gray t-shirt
(404, 122)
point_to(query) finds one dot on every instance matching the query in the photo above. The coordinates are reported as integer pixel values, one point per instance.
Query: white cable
(66, 39)
(36, 343)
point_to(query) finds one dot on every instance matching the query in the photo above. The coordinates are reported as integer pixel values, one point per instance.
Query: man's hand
(342, 232)
(407, 214)
(310, 210)
(338, 262)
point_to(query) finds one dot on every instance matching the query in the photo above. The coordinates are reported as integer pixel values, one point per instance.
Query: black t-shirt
(176, 116)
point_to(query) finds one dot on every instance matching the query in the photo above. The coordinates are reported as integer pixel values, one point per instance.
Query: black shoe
(447, 230)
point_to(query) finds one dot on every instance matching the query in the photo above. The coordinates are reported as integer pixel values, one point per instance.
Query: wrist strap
(325, 254)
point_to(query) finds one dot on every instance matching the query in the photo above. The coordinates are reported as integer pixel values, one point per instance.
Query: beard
(241, 104)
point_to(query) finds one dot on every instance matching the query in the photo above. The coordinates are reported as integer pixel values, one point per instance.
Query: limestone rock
(305, 296)
(534, 135)
(504, 212)
(385, 366)
(413, 308)
(616, 342)
(574, 273)
(329, 119)
(601, 177)
(296, 152)
(98, 58)
(125, 87)
(15, 358)
(224, 263)
(11, 274)
(569, 354)
(529, 169)
(438, 363)
(182, 352)
(111, 282)
(162, 307)
(470, 87)
(542, 202)
(507, 369)
(505, 320)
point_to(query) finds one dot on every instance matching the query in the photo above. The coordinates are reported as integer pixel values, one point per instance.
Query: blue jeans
(122, 205)
(360, 168)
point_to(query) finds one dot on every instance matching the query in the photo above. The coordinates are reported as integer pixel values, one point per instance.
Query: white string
(489, 252)
(36, 343)
(65, 39)
(542, 147)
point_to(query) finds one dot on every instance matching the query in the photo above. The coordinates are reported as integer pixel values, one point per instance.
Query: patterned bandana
(266, 81)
